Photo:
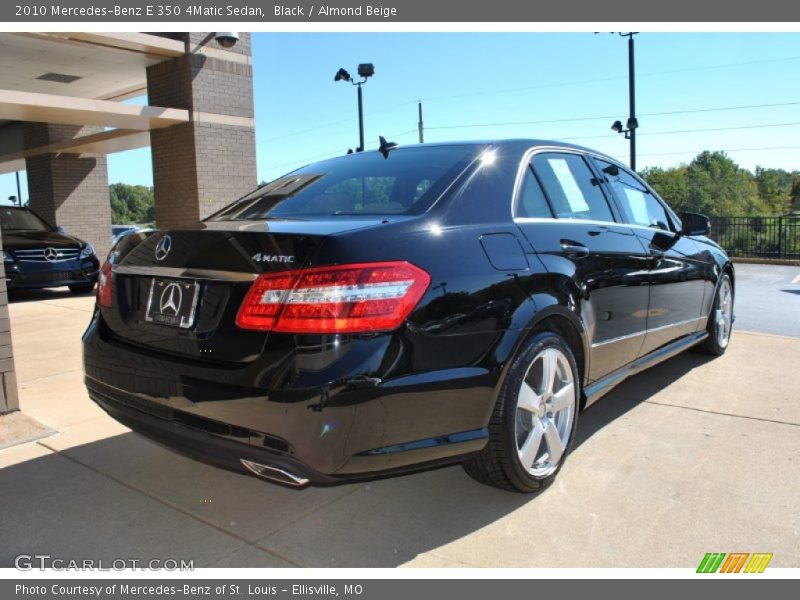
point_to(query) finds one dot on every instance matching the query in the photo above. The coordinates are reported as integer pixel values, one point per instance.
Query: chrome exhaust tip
(277, 474)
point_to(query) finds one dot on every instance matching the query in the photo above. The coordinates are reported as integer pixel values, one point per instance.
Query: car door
(564, 213)
(677, 273)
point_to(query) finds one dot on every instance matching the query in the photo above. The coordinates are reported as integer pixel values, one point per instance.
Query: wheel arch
(563, 321)
(567, 324)
(728, 268)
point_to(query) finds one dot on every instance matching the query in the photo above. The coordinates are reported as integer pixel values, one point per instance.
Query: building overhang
(69, 110)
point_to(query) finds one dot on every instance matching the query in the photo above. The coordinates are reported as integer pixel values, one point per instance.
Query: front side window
(406, 182)
(638, 205)
(19, 219)
(571, 187)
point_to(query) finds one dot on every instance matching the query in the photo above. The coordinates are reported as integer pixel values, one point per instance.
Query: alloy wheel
(724, 313)
(545, 412)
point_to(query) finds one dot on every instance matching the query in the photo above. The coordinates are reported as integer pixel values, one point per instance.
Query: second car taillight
(355, 298)
(104, 285)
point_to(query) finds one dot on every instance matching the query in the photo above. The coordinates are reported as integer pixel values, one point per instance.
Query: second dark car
(37, 255)
(391, 311)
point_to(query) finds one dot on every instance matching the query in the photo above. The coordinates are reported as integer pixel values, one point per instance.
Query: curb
(766, 261)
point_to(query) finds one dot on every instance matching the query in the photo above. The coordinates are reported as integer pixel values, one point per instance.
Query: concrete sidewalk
(693, 456)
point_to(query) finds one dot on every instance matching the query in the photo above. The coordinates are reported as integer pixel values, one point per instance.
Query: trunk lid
(216, 262)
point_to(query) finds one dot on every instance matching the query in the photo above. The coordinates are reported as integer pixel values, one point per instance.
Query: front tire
(720, 321)
(533, 424)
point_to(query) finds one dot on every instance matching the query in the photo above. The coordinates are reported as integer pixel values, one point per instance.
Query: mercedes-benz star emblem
(163, 247)
(171, 299)
(50, 254)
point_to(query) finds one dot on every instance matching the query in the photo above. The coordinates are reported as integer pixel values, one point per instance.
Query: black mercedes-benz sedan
(37, 255)
(397, 310)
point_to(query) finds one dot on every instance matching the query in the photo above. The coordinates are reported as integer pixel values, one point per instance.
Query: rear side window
(638, 205)
(405, 182)
(571, 187)
(531, 202)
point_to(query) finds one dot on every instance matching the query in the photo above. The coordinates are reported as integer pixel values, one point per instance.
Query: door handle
(574, 249)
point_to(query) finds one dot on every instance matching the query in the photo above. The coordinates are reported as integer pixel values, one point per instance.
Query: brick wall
(8, 379)
(201, 166)
(69, 191)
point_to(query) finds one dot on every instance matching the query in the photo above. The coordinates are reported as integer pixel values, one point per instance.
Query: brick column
(66, 190)
(9, 400)
(200, 166)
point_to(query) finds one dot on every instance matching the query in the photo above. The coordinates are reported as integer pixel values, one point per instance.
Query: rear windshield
(407, 182)
(18, 219)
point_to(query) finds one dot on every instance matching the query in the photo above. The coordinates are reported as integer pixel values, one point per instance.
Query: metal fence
(758, 237)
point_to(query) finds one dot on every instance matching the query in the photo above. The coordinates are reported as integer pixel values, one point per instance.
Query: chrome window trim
(590, 222)
(676, 222)
(579, 221)
(525, 161)
(533, 151)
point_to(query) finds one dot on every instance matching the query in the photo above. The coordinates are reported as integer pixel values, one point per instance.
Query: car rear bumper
(329, 434)
(217, 449)
(232, 447)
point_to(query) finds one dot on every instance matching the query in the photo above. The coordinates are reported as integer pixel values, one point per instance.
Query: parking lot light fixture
(629, 129)
(365, 71)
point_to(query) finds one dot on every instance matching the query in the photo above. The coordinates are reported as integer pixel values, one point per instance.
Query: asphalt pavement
(767, 299)
(693, 456)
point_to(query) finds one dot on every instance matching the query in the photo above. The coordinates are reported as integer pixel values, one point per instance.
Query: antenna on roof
(385, 146)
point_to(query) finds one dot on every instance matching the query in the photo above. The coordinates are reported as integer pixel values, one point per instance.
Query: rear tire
(720, 321)
(533, 424)
(82, 288)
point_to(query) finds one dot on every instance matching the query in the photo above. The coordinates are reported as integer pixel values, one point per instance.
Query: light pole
(420, 125)
(365, 71)
(632, 125)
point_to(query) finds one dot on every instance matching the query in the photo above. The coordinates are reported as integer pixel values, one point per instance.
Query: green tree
(795, 194)
(131, 203)
(671, 184)
(719, 187)
(711, 184)
(775, 187)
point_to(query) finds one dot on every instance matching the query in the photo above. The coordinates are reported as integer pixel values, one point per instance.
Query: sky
(569, 86)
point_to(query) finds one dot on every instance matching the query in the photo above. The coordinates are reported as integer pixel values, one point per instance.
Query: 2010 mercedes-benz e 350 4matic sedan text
(390, 311)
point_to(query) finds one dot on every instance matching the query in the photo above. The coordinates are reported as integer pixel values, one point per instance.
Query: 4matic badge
(263, 257)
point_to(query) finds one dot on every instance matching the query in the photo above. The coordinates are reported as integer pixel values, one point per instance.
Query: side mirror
(695, 224)
(58, 229)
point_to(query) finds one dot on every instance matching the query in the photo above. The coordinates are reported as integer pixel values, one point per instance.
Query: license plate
(172, 302)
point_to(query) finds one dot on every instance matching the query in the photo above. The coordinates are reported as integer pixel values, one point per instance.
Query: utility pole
(420, 125)
(632, 123)
(629, 130)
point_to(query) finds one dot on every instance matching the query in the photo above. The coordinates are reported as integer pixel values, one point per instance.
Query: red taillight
(104, 284)
(355, 298)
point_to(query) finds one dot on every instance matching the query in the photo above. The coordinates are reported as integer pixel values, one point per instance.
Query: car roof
(515, 144)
